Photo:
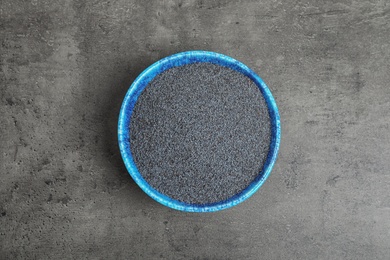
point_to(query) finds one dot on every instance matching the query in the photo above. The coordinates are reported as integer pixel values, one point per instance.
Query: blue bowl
(180, 59)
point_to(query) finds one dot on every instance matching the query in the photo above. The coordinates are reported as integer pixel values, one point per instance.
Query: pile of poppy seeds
(200, 133)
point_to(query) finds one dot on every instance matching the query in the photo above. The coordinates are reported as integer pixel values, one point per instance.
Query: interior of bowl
(181, 59)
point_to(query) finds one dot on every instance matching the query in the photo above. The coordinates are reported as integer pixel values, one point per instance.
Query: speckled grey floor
(66, 65)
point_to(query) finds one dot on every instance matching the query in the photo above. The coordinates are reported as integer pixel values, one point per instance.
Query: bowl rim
(180, 59)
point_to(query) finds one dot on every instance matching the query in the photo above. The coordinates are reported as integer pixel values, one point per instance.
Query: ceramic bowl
(180, 59)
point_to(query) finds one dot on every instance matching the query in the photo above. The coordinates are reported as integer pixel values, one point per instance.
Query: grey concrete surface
(66, 65)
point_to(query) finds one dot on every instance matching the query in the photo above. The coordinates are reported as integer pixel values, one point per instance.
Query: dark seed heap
(200, 133)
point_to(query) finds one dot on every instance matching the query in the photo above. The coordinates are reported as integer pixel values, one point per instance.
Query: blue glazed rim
(180, 59)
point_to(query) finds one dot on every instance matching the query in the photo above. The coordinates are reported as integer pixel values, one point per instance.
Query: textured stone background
(66, 65)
